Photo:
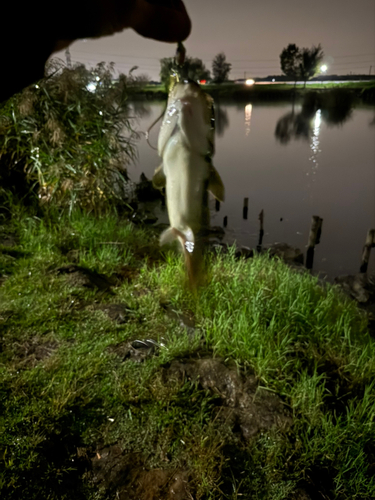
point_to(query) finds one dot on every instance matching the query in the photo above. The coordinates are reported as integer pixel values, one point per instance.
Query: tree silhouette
(193, 68)
(289, 60)
(336, 106)
(302, 63)
(220, 68)
(310, 61)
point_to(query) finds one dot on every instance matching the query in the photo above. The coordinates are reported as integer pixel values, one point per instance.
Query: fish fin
(168, 236)
(171, 234)
(215, 184)
(159, 179)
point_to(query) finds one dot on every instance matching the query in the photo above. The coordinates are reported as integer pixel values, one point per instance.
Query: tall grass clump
(268, 315)
(69, 138)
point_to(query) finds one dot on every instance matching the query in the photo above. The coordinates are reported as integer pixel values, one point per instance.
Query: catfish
(186, 146)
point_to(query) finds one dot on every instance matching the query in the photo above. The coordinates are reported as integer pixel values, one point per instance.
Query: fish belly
(186, 174)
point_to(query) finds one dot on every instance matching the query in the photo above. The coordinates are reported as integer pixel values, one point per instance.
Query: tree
(220, 68)
(310, 62)
(299, 63)
(289, 60)
(193, 68)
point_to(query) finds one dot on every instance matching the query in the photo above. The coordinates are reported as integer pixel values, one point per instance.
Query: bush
(68, 139)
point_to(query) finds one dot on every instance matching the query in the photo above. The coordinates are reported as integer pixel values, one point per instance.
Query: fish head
(189, 111)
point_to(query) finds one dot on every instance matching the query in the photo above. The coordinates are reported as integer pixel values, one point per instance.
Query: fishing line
(146, 134)
(179, 61)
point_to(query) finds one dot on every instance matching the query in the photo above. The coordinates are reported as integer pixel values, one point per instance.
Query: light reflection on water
(315, 136)
(340, 187)
(248, 111)
(314, 147)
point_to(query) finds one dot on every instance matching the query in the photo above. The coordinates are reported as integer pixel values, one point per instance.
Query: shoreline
(241, 92)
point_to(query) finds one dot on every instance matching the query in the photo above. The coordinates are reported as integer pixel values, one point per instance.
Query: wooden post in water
(314, 239)
(217, 205)
(245, 208)
(370, 242)
(261, 231)
(225, 222)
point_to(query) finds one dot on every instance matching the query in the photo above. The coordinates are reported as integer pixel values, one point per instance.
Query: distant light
(250, 81)
(203, 82)
(323, 68)
(91, 87)
(97, 78)
(36, 86)
(273, 79)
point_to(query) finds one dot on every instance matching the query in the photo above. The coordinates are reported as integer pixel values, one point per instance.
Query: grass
(64, 389)
(67, 146)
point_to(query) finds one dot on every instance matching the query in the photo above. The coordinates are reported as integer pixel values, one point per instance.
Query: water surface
(322, 168)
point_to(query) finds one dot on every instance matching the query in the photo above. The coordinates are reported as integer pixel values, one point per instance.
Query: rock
(210, 232)
(145, 190)
(289, 254)
(245, 252)
(150, 220)
(142, 217)
(360, 287)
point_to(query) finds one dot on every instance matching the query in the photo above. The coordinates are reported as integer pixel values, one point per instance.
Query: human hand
(163, 20)
(39, 31)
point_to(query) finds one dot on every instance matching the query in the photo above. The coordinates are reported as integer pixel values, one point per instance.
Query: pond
(291, 169)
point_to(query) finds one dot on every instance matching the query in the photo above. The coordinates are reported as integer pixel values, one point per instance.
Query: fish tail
(171, 234)
(193, 257)
(194, 268)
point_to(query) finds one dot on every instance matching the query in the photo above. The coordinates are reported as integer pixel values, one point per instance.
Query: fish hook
(179, 61)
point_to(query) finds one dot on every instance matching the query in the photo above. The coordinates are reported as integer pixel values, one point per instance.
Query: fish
(186, 146)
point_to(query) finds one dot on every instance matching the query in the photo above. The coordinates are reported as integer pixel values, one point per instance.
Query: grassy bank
(261, 386)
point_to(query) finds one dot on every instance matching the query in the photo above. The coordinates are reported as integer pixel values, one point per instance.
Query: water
(329, 171)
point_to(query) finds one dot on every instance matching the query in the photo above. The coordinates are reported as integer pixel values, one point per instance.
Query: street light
(250, 81)
(323, 68)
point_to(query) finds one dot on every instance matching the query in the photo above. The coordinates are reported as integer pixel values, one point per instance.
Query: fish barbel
(186, 145)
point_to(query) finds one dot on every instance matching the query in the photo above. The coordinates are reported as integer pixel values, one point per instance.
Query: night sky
(251, 34)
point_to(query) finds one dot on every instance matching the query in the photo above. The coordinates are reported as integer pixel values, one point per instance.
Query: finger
(164, 21)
